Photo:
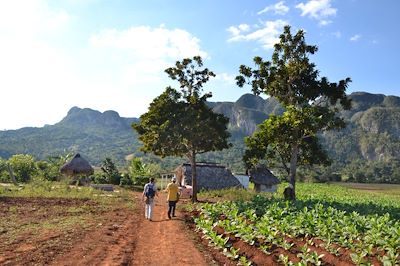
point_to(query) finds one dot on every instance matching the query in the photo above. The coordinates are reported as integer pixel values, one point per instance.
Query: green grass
(47, 189)
(380, 189)
(46, 209)
(361, 218)
(227, 194)
(378, 199)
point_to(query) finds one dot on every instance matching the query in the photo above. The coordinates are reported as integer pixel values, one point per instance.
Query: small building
(209, 176)
(263, 179)
(77, 168)
(243, 179)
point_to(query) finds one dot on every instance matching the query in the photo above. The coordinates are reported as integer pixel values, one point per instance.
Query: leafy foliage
(50, 169)
(365, 151)
(275, 136)
(110, 172)
(310, 101)
(23, 166)
(141, 172)
(340, 217)
(181, 123)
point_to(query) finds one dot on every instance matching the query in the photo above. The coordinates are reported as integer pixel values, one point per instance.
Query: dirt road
(119, 236)
(163, 241)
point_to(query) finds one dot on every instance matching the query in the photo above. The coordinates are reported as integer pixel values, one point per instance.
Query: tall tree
(110, 171)
(181, 123)
(22, 166)
(311, 103)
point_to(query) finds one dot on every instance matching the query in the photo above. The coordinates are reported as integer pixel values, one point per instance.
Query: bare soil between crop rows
(52, 231)
(105, 236)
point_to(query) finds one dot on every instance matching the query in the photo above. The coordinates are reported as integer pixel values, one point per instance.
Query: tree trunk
(293, 166)
(192, 159)
(10, 171)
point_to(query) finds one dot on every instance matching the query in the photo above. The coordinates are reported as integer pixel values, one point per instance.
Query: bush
(111, 172)
(23, 167)
(125, 180)
(140, 180)
(99, 178)
(48, 171)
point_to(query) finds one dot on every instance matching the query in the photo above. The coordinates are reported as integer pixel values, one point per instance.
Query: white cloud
(225, 77)
(139, 55)
(27, 19)
(125, 68)
(236, 31)
(355, 38)
(319, 10)
(43, 74)
(267, 33)
(244, 27)
(337, 34)
(279, 8)
(146, 42)
(325, 22)
(32, 70)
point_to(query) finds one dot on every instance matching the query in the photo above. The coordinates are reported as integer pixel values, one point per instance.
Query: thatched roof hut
(263, 179)
(209, 176)
(77, 166)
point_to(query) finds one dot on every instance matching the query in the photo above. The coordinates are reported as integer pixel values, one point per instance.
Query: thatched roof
(77, 166)
(209, 176)
(261, 175)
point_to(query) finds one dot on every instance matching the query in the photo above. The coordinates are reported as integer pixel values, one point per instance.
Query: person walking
(149, 191)
(172, 197)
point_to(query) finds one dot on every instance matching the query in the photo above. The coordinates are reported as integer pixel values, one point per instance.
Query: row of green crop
(347, 199)
(272, 220)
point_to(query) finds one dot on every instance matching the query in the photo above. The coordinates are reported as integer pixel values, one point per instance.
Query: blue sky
(110, 55)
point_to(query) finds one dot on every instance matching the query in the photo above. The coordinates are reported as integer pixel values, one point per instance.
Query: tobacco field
(327, 225)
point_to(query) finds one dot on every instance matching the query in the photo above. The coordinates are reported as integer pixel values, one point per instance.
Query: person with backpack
(149, 191)
(172, 197)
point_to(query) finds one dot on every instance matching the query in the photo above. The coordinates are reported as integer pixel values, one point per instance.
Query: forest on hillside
(367, 150)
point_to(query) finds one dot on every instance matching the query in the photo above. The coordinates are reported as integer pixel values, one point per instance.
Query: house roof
(203, 164)
(77, 166)
(261, 175)
(209, 176)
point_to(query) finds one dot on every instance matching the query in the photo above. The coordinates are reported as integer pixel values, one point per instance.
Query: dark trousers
(171, 208)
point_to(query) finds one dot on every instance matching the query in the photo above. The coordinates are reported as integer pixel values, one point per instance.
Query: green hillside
(367, 148)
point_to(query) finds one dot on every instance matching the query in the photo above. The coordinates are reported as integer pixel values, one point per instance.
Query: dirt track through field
(163, 241)
(119, 236)
(130, 239)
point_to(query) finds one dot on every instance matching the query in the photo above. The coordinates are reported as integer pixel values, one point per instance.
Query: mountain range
(372, 134)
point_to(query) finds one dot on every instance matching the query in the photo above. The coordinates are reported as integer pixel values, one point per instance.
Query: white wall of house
(243, 179)
(272, 188)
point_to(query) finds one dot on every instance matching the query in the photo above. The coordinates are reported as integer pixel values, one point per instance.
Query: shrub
(23, 166)
(125, 180)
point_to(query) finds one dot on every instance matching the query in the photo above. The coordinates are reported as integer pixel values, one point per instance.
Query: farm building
(209, 176)
(263, 179)
(243, 179)
(77, 168)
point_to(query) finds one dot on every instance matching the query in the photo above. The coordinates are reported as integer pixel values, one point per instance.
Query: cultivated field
(50, 223)
(328, 225)
(347, 224)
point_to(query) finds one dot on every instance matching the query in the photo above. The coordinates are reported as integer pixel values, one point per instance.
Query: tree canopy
(181, 123)
(311, 103)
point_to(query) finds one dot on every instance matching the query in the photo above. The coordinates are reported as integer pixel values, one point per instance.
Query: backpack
(150, 192)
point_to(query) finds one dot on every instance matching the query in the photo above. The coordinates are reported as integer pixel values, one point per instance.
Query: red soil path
(122, 237)
(163, 241)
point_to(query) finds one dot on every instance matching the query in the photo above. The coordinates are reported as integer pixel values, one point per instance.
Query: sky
(111, 55)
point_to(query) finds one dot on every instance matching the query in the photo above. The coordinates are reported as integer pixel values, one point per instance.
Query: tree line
(181, 124)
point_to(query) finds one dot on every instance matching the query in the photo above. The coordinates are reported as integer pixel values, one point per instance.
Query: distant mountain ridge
(96, 135)
(105, 134)
(88, 116)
